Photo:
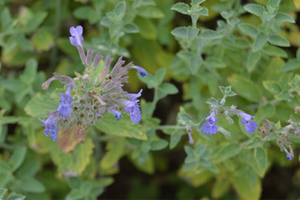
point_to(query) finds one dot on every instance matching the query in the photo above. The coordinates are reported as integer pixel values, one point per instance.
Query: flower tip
(141, 71)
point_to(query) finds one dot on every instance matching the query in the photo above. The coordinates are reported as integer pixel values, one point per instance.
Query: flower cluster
(89, 96)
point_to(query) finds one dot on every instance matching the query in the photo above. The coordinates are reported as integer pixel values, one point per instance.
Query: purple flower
(76, 39)
(210, 127)
(288, 155)
(50, 128)
(141, 70)
(250, 126)
(64, 107)
(191, 140)
(133, 109)
(117, 114)
(133, 97)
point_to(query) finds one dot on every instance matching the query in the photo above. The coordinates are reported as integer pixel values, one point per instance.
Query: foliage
(219, 105)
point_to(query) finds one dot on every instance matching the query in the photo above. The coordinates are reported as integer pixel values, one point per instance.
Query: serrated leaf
(2, 192)
(259, 41)
(14, 196)
(226, 152)
(272, 86)
(175, 138)
(29, 184)
(30, 72)
(248, 29)
(124, 127)
(36, 20)
(203, 12)
(131, 28)
(150, 12)
(75, 161)
(39, 105)
(181, 32)
(274, 51)
(192, 33)
(252, 61)
(255, 9)
(181, 8)
(291, 65)
(245, 87)
(160, 75)
(17, 158)
(214, 63)
(112, 156)
(120, 9)
(114, 29)
(159, 144)
(209, 35)
(283, 17)
(279, 41)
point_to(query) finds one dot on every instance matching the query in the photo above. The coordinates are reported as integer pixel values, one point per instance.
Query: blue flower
(117, 114)
(191, 140)
(50, 128)
(133, 109)
(288, 155)
(250, 126)
(64, 107)
(133, 97)
(76, 39)
(141, 70)
(210, 127)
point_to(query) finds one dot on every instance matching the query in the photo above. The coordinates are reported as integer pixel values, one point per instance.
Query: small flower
(141, 70)
(50, 128)
(250, 126)
(117, 114)
(210, 127)
(76, 39)
(64, 107)
(133, 97)
(133, 109)
(191, 140)
(288, 155)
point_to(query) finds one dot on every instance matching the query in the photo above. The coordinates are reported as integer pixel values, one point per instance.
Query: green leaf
(112, 156)
(105, 22)
(261, 158)
(29, 169)
(160, 75)
(36, 20)
(2, 192)
(181, 8)
(226, 151)
(159, 144)
(146, 27)
(42, 40)
(188, 166)
(274, 51)
(120, 9)
(31, 185)
(192, 33)
(75, 161)
(203, 11)
(272, 86)
(255, 9)
(220, 187)
(5, 18)
(283, 17)
(214, 63)
(9, 120)
(4, 167)
(175, 138)
(23, 42)
(82, 12)
(248, 29)
(197, 2)
(114, 29)
(14, 196)
(131, 28)
(252, 61)
(245, 87)
(74, 182)
(168, 88)
(181, 32)
(39, 105)
(30, 72)
(209, 35)
(150, 12)
(264, 112)
(124, 127)
(4, 179)
(17, 157)
(290, 65)
(195, 64)
(279, 41)
(259, 41)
